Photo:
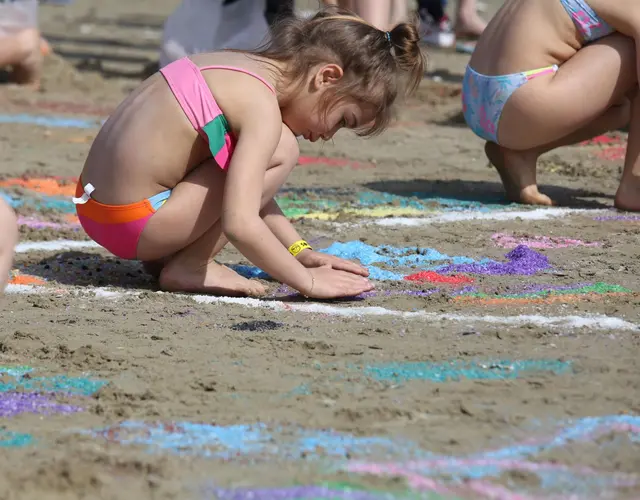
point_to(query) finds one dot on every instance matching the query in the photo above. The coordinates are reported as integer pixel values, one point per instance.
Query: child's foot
(517, 170)
(628, 196)
(212, 278)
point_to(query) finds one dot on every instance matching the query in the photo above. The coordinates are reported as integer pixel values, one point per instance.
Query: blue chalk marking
(389, 256)
(10, 439)
(457, 370)
(15, 371)
(254, 441)
(559, 480)
(58, 383)
(49, 121)
(40, 202)
(577, 429)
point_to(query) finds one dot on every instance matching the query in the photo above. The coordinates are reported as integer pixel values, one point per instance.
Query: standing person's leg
(399, 12)
(468, 22)
(377, 13)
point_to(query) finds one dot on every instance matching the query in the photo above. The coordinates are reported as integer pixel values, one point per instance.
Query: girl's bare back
(524, 35)
(151, 116)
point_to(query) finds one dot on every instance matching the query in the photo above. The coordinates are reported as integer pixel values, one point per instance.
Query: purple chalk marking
(618, 217)
(522, 261)
(390, 293)
(16, 403)
(34, 223)
(293, 493)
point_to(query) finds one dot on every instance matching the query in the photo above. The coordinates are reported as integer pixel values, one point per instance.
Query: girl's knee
(288, 150)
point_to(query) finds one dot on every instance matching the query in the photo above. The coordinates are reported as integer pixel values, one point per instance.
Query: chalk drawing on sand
(398, 373)
(402, 262)
(253, 441)
(326, 491)
(443, 218)
(589, 321)
(54, 193)
(17, 403)
(548, 242)
(544, 294)
(9, 439)
(21, 379)
(485, 475)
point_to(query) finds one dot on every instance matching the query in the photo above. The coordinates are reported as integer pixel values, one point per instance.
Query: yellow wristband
(298, 247)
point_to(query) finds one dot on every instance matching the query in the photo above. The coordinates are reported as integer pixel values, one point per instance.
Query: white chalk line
(592, 321)
(502, 215)
(54, 245)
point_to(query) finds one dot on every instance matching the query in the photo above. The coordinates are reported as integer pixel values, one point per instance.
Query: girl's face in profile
(306, 118)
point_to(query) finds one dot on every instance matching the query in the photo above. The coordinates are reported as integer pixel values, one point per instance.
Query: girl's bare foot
(628, 195)
(517, 170)
(212, 278)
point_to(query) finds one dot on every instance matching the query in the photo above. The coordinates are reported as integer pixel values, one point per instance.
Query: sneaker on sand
(437, 34)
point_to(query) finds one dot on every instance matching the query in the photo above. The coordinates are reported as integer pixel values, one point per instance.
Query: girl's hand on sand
(311, 259)
(332, 284)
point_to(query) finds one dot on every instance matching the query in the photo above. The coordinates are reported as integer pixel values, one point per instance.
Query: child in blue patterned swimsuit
(586, 84)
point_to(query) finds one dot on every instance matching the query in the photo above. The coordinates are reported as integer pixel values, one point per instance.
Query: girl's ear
(327, 75)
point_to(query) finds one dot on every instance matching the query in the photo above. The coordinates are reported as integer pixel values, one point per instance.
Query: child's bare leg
(8, 240)
(628, 195)
(187, 232)
(517, 169)
(552, 111)
(22, 52)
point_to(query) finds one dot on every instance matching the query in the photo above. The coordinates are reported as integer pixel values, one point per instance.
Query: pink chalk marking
(495, 492)
(414, 480)
(547, 242)
(333, 162)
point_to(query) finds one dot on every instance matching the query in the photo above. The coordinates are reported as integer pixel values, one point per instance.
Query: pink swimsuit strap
(241, 70)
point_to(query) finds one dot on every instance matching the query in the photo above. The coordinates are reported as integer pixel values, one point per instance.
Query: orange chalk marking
(43, 185)
(26, 279)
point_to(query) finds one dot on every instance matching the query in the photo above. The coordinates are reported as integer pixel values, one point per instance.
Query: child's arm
(8, 240)
(258, 123)
(279, 225)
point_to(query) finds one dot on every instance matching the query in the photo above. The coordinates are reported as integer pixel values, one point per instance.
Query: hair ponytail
(405, 39)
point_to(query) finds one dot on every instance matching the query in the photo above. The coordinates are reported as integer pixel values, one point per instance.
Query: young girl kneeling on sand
(193, 158)
(549, 73)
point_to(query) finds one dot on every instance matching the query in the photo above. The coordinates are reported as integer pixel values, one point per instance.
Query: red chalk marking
(613, 153)
(602, 139)
(433, 277)
(333, 162)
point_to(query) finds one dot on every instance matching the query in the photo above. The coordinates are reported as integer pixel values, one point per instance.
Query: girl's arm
(258, 123)
(279, 225)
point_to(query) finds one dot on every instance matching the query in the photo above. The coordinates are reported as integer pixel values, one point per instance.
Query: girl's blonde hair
(377, 65)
